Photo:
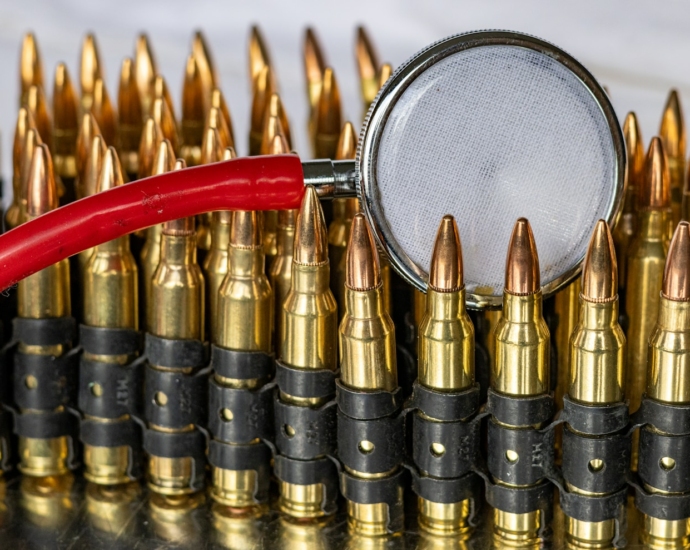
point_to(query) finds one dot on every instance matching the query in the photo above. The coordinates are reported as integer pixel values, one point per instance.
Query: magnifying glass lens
(490, 134)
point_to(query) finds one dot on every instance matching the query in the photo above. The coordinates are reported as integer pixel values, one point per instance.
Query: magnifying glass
(487, 126)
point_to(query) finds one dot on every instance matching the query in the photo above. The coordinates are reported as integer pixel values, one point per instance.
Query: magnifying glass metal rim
(381, 107)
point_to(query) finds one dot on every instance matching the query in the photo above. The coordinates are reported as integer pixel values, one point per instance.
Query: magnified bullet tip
(522, 265)
(655, 191)
(363, 267)
(446, 273)
(676, 285)
(600, 269)
(311, 241)
(347, 143)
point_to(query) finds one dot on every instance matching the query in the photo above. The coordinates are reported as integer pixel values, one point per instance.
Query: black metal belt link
(175, 399)
(111, 390)
(191, 444)
(45, 382)
(239, 416)
(123, 433)
(175, 353)
(44, 332)
(110, 341)
(371, 439)
(49, 425)
(663, 459)
(309, 472)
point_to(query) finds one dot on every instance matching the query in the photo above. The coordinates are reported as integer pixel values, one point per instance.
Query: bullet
(263, 89)
(673, 138)
(307, 337)
(217, 121)
(646, 259)
(218, 102)
(367, 363)
(87, 130)
(314, 68)
(446, 359)
(176, 312)
(597, 375)
(90, 70)
(245, 324)
(624, 231)
(521, 368)
(43, 295)
(65, 126)
(275, 113)
(216, 262)
(110, 302)
(92, 176)
(151, 138)
(258, 54)
(164, 161)
(164, 117)
(24, 123)
(35, 102)
(30, 66)
(145, 71)
(131, 120)
(385, 73)
(272, 127)
(214, 142)
(327, 118)
(206, 67)
(32, 142)
(104, 112)
(193, 113)
(343, 212)
(668, 383)
(368, 65)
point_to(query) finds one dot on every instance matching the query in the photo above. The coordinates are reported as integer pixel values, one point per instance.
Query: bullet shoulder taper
(676, 285)
(600, 270)
(522, 264)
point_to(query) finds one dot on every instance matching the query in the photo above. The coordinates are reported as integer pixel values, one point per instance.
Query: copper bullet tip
(278, 146)
(676, 285)
(263, 89)
(90, 69)
(672, 128)
(205, 64)
(385, 73)
(522, 264)
(347, 143)
(192, 93)
(229, 153)
(42, 196)
(245, 231)
(446, 273)
(328, 115)
(367, 59)
(314, 65)
(151, 136)
(655, 191)
(111, 171)
(211, 146)
(216, 120)
(103, 111)
(31, 142)
(64, 101)
(161, 113)
(128, 98)
(311, 240)
(258, 54)
(30, 66)
(600, 268)
(164, 160)
(24, 122)
(88, 128)
(275, 109)
(363, 271)
(272, 129)
(35, 102)
(635, 153)
(218, 102)
(145, 69)
(94, 165)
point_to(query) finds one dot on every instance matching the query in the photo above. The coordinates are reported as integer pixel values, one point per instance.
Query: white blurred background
(637, 48)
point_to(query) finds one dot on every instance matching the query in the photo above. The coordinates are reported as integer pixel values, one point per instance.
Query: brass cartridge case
(216, 264)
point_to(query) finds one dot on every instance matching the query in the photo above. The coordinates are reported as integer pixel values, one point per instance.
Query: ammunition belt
(663, 460)
(175, 399)
(45, 386)
(305, 435)
(374, 417)
(119, 388)
(448, 419)
(127, 432)
(109, 341)
(238, 417)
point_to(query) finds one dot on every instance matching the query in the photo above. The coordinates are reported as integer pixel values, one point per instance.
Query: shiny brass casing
(280, 273)
(216, 264)
(176, 311)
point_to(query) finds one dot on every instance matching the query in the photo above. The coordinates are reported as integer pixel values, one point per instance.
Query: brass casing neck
(522, 347)
(597, 355)
(446, 342)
